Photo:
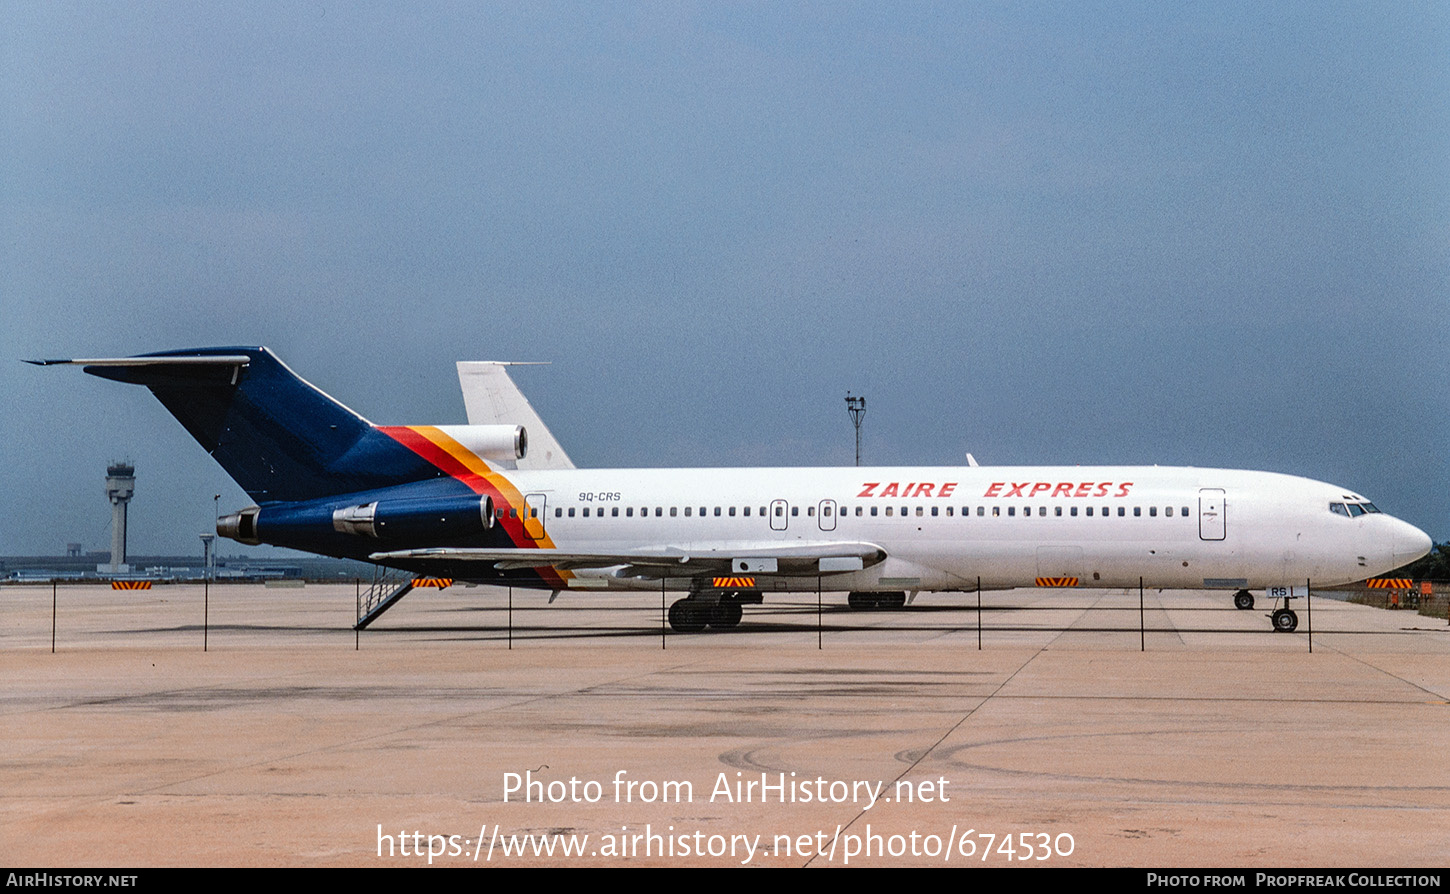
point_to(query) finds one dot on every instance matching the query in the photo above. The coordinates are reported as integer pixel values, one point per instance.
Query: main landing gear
(876, 601)
(1243, 600)
(719, 611)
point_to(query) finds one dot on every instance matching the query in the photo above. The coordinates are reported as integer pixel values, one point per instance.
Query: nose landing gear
(1284, 620)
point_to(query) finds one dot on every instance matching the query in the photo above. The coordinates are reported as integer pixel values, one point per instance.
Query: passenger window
(673, 510)
(1012, 510)
(779, 511)
(811, 511)
(1090, 512)
(732, 511)
(629, 513)
(1122, 511)
(586, 511)
(1042, 512)
(982, 510)
(1073, 511)
(996, 511)
(795, 511)
(1168, 511)
(614, 512)
(873, 511)
(918, 512)
(558, 513)
(717, 511)
(1137, 511)
(933, 511)
(888, 511)
(747, 511)
(571, 511)
(688, 510)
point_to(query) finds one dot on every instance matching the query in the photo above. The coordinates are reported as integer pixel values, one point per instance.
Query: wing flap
(660, 561)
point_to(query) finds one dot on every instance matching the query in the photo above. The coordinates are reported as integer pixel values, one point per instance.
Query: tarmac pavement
(800, 738)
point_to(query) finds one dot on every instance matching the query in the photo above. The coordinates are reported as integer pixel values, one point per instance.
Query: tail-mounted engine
(397, 522)
(403, 520)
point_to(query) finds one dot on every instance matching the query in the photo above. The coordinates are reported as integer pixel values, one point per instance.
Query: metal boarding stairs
(389, 585)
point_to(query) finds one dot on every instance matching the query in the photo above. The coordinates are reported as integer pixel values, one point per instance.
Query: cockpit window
(1353, 510)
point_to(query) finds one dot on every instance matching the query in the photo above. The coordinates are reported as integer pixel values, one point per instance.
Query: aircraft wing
(666, 561)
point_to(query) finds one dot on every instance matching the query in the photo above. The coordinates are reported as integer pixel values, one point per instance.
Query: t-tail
(279, 436)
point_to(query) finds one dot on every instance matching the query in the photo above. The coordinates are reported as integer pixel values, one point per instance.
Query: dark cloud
(1210, 235)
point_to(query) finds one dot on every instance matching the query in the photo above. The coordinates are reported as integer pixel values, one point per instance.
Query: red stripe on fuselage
(512, 519)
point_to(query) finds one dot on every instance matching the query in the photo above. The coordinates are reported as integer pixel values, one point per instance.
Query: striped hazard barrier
(130, 585)
(441, 583)
(737, 583)
(1057, 582)
(1390, 583)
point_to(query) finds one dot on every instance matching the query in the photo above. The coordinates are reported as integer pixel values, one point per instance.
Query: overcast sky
(1212, 234)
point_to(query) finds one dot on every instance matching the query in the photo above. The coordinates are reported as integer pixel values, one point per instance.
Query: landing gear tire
(1243, 600)
(862, 601)
(725, 615)
(688, 616)
(873, 601)
(1285, 621)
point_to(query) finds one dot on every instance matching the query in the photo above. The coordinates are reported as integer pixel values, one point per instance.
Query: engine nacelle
(437, 520)
(240, 526)
(500, 443)
(422, 521)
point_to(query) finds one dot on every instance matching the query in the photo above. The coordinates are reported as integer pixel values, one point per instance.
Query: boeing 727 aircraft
(464, 501)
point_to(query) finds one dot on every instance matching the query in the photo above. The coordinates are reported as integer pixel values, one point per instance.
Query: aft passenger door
(1211, 522)
(534, 506)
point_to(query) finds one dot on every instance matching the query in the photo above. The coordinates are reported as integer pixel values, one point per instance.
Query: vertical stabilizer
(492, 398)
(277, 435)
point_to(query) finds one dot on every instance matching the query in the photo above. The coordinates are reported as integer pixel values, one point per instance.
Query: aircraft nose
(1410, 544)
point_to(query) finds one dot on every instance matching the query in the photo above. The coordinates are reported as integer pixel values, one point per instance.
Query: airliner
(479, 502)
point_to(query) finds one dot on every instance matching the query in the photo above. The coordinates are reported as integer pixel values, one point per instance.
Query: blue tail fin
(277, 435)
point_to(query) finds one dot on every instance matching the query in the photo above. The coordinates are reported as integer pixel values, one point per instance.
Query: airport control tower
(120, 485)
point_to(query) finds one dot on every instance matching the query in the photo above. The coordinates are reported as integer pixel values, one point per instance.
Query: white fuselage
(948, 528)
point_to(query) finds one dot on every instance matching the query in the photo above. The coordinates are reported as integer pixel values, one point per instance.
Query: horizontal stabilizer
(278, 436)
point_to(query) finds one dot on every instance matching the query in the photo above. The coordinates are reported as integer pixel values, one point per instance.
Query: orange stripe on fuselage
(465, 466)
